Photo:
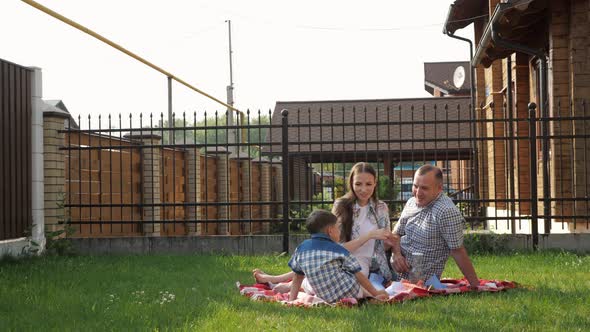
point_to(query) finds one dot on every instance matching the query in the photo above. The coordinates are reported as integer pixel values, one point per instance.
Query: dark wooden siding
(15, 150)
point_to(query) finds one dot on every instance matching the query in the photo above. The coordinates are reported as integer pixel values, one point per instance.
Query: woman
(364, 225)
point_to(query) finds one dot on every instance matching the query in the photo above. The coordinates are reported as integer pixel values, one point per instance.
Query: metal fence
(508, 169)
(15, 150)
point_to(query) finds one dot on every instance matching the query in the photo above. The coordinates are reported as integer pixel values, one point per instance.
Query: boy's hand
(295, 285)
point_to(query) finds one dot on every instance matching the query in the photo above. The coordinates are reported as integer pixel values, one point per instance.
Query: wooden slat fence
(173, 191)
(106, 176)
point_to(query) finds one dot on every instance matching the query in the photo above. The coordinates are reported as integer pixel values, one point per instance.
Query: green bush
(485, 243)
(57, 241)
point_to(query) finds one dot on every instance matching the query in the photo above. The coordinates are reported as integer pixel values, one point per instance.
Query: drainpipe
(509, 102)
(475, 177)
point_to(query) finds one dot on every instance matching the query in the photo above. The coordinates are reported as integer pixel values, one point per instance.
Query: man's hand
(400, 264)
(465, 265)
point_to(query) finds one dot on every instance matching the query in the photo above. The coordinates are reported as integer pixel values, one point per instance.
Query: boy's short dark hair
(318, 220)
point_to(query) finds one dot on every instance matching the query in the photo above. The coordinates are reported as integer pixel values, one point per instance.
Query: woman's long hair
(343, 205)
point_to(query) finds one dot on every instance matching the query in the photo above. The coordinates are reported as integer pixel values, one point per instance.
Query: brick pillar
(223, 211)
(193, 191)
(151, 183)
(54, 170)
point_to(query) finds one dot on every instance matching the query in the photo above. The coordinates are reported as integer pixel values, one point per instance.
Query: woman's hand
(380, 234)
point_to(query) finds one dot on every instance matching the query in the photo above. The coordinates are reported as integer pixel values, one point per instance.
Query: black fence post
(533, 169)
(545, 158)
(285, 164)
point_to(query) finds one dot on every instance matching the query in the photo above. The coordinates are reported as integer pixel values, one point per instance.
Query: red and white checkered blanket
(400, 291)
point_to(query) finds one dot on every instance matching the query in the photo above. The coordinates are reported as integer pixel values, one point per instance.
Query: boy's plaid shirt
(328, 267)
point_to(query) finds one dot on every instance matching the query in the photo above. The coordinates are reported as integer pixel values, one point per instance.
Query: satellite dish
(459, 77)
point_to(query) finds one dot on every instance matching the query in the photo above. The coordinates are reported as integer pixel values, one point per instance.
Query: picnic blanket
(398, 292)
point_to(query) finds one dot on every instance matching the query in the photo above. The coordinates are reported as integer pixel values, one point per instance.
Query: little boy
(330, 271)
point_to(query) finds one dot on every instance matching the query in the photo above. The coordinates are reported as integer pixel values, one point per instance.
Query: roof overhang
(519, 22)
(431, 86)
(462, 13)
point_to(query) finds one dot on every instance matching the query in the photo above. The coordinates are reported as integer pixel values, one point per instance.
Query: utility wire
(124, 50)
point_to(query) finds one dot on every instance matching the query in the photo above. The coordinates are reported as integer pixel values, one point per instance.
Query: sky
(282, 51)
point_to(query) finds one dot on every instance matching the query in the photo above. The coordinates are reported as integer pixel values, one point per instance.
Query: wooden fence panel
(256, 197)
(234, 195)
(172, 186)
(107, 178)
(111, 176)
(208, 193)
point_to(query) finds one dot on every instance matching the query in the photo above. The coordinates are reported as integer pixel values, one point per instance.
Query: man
(432, 225)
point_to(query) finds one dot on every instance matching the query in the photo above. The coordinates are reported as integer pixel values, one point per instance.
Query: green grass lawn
(198, 293)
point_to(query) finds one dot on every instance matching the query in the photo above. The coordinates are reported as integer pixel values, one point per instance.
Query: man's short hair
(427, 168)
(318, 220)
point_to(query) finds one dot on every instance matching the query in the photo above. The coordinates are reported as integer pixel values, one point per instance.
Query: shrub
(485, 243)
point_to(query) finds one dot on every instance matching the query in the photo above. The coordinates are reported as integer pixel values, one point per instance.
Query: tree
(207, 131)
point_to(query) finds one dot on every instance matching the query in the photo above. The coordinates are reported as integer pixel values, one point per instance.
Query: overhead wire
(124, 50)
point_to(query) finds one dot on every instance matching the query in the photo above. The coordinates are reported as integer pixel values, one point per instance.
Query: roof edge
(366, 100)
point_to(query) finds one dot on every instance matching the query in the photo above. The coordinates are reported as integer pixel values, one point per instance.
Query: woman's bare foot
(261, 277)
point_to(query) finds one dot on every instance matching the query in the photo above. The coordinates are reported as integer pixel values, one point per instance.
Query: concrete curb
(268, 244)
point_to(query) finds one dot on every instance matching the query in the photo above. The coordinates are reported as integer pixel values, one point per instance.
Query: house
(442, 79)
(531, 51)
(386, 132)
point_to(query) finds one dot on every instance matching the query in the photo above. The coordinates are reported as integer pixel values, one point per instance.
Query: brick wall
(520, 75)
(559, 96)
(580, 89)
(54, 172)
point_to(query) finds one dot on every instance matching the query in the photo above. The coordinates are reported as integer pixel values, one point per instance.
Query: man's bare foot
(260, 276)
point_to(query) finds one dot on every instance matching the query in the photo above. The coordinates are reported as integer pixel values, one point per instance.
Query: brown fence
(104, 185)
(172, 191)
(97, 177)
(15, 150)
